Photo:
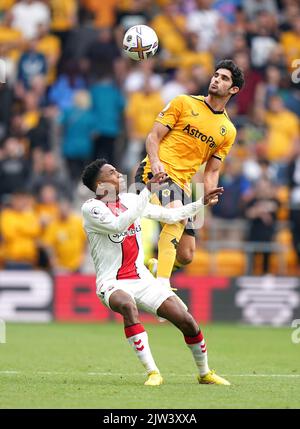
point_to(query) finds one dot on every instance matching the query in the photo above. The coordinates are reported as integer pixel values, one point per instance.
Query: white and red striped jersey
(114, 232)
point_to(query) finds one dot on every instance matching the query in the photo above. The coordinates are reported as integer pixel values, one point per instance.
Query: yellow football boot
(154, 379)
(212, 378)
(152, 266)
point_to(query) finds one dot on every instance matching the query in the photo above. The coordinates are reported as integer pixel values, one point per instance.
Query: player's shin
(167, 244)
(138, 339)
(198, 348)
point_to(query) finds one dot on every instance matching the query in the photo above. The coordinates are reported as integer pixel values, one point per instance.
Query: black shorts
(167, 193)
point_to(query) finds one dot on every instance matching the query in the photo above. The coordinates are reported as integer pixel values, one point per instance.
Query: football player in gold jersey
(190, 131)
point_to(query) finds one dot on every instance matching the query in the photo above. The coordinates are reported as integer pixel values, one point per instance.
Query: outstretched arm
(173, 215)
(153, 140)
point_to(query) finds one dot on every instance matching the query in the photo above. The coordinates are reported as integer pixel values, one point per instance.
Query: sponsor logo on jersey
(166, 193)
(194, 114)
(119, 238)
(194, 132)
(223, 130)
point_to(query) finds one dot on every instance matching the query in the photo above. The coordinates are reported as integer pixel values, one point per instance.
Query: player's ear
(234, 90)
(100, 188)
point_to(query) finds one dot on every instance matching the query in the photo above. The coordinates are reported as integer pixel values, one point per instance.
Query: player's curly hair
(91, 172)
(236, 73)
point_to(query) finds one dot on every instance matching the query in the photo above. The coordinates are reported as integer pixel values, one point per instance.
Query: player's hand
(156, 181)
(157, 167)
(212, 197)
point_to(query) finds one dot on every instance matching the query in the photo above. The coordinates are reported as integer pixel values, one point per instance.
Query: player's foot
(154, 379)
(212, 378)
(152, 266)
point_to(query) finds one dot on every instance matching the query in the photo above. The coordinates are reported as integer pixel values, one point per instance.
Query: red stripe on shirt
(130, 248)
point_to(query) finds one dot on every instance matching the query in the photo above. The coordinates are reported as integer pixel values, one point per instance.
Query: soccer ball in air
(140, 42)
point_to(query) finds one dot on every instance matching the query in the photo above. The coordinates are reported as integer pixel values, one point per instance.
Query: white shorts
(148, 293)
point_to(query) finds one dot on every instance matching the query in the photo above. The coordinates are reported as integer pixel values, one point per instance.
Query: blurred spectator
(78, 126)
(136, 77)
(6, 103)
(230, 206)
(31, 64)
(102, 50)
(283, 130)
(27, 15)
(148, 101)
(170, 27)
(64, 18)
(47, 205)
(51, 174)
(49, 45)
(20, 231)
(62, 91)
(294, 185)
(261, 211)
(65, 240)
(14, 168)
(244, 100)
(176, 86)
(290, 41)
(269, 86)
(104, 12)
(205, 23)
(254, 7)
(107, 105)
(263, 38)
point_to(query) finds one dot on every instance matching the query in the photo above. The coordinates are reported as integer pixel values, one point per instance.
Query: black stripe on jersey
(218, 157)
(216, 112)
(168, 126)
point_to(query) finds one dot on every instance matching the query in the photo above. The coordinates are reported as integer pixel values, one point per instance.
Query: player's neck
(217, 104)
(108, 198)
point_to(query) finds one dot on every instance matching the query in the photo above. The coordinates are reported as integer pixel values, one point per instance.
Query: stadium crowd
(71, 95)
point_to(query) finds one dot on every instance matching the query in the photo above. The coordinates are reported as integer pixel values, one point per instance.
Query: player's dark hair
(91, 173)
(236, 73)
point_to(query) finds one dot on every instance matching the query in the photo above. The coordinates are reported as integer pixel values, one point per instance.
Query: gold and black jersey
(197, 133)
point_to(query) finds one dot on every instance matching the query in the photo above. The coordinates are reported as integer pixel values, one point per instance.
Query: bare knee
(185, 256)
(128, 309)
(188, 325)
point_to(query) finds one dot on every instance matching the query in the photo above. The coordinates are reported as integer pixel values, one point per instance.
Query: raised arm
(153, 140)
(98, 218)
(174, 215)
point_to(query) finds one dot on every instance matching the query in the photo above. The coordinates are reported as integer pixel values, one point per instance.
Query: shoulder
(229, 124)
(93, 208)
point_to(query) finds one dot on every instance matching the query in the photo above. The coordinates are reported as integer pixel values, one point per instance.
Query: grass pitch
(92, 366)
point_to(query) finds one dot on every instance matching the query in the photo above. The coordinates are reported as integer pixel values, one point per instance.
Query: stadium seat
(201, 263)
(230, 263)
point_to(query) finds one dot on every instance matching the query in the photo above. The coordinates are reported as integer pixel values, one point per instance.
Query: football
(140, 42)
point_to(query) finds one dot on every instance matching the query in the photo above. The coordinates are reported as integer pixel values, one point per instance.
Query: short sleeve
(170, 113)
(223, 150)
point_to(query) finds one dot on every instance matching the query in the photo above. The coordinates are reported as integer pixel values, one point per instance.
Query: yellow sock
(167, 243)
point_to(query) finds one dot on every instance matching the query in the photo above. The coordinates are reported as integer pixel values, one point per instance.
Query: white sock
(138, 339)
(198, 348)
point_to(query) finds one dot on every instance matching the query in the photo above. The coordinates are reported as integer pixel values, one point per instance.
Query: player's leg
(121, 302)
(186, 249)
(171, 310)
(168, 242)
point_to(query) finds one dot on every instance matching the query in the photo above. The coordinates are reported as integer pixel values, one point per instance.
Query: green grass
(92, 366)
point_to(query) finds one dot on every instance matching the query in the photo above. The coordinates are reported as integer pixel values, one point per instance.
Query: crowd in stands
(71, 95)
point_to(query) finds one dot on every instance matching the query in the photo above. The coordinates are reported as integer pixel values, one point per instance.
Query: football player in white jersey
(124, 284)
